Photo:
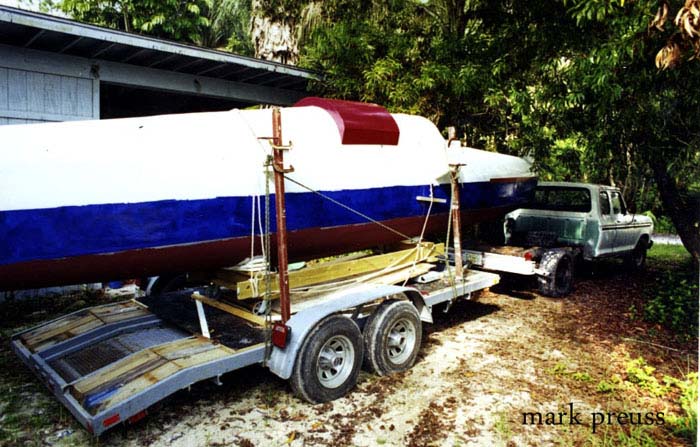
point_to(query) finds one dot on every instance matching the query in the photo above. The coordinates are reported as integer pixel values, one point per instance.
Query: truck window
(604, 203)
(560, 198)
(617, 203)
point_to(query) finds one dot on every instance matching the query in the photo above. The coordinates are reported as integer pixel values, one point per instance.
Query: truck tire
(559, 279)
(636, 260)
(329, 360)
(392, 338)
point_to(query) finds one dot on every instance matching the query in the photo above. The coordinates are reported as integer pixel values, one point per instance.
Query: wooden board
(79, 323)
(335, 271)
(162, 372)
(304, 299)
(133, 362)
(146, 368)
(233, 310)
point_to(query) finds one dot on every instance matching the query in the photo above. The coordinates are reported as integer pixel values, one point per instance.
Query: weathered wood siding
(28, 96)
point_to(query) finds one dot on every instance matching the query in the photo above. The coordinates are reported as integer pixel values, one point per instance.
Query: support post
(456, 221)
(281, 213)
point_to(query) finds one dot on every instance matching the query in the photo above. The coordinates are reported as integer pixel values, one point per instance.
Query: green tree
(571, 84)
(635, 114)
(180, 20)
(278, 28)
(228, 26)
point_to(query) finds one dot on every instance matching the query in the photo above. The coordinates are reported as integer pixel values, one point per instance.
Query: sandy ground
(482, 365)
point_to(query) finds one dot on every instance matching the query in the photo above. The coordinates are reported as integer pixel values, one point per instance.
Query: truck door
(624, 233)
(607, 224)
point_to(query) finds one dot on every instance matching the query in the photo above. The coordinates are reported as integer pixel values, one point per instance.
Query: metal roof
(44, 32)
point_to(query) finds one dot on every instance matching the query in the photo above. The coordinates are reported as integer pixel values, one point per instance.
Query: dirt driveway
(483, 364)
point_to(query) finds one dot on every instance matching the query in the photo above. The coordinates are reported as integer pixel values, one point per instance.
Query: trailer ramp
(108, 364)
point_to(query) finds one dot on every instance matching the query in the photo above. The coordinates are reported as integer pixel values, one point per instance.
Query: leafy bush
(641, 374)
(673, 301)
(662, 224)
(675, 305)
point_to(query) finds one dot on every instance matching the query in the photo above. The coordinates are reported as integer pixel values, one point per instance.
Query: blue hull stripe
(42, 234)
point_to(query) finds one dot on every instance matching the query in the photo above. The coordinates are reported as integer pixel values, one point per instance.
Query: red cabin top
(358, 122)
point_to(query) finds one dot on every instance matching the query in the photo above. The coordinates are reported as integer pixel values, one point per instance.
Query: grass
(636, 436)
(686, 424)
(664, 253)
(29, 414)
(502, 427)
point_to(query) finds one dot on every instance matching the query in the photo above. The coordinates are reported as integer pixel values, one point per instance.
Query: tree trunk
(683, 214)
(274, 39)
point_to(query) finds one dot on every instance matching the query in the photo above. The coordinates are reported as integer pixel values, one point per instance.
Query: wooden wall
(30, 96)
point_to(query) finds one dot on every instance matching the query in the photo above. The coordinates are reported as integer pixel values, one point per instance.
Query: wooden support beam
(228, 308)
(333, 271)
(311, 297)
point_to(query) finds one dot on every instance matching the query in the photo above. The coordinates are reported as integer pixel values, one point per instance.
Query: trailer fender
(281, 361)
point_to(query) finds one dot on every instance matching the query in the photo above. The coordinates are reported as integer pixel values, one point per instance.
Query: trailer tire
(392, 338)
(168, 283)
(329, 360)
(559, 279)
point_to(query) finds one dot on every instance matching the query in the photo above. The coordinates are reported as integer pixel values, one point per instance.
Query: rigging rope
(268, 270)
(342, 205)
(422, 233)
(393, 230)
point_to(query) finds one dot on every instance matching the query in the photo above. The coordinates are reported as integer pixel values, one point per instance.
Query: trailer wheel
(168, 283)
(392, 338)
(559, 279)
(329, 360)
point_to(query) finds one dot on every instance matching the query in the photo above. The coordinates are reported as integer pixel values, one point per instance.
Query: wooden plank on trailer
(166, 370)
(33, 340)
(191, 346)
(114, 317)
(114, 371)
(313, 296)
(231, 309)
(116, 308)
(79, 323)
(34, 333)
(327, 272)
(141, 362)
(130, 375)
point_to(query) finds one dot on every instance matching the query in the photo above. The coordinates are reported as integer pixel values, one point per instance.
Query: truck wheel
(392, 338)
(636, 260)
(559, 279)
(329, 360)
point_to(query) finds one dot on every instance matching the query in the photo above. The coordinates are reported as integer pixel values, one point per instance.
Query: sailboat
(88, 201)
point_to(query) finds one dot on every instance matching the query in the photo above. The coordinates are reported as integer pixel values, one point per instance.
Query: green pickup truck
(566, 223)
